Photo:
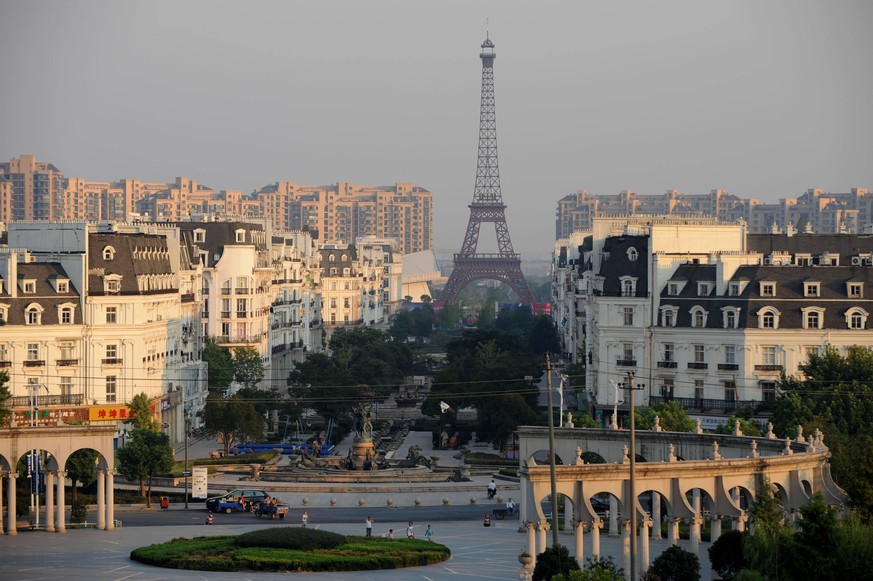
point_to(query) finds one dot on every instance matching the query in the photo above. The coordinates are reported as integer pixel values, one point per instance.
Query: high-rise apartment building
(336, 214)
(814, 211)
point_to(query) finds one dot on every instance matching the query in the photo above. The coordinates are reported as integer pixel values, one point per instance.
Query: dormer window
(768, 289)
(200, 235)
(698, 316)
(856, 318)
(813, 318)
(28, 286)
(4, 315)
(733, 289)
(112, 283)
(63, 286)
(108, 253)
(632, 254)
(703, 289)
(768, 318)
(240, 235)
(855, 290)
(673, 289)
(812, 289)
(668, 316)
(731, 317)
(628, 286)
(33, 315)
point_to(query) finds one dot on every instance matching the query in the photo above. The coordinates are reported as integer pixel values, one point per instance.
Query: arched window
(668, 316)
(731, 317)
(856, 318)
(768, 318)
(33, 315)
(813, 317)
(108, 253)
(632, 254)
(698, 316)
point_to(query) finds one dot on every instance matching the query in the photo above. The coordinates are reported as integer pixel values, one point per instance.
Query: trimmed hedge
(293, 538)
(227, 553)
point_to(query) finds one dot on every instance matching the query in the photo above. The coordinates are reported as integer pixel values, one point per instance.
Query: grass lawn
(290, 549)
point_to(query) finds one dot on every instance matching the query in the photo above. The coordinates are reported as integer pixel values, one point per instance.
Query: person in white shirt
(510, 507)
(410, 534)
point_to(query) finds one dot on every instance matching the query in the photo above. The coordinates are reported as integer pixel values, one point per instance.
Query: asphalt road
(196, 514)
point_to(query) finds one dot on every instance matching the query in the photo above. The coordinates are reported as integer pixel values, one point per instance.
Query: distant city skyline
(763, 100)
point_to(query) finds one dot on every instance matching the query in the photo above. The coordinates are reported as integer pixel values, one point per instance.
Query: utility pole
(554, 481)
(187, 427)
(633, 488)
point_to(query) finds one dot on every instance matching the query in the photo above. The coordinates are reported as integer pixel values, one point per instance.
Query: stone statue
(570, 420)
(363, 421)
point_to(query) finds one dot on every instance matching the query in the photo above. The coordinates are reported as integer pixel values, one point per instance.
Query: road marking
(118, 569)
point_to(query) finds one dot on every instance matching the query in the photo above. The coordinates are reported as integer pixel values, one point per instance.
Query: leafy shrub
(675, 564)
(726, 555)
(553, 561)
(78, 510)
(295, 538)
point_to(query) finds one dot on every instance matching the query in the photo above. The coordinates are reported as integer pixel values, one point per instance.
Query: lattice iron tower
(487, 206)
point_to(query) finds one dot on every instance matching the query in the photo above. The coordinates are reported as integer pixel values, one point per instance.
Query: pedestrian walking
(305, 518)
(369, 522)
(390, 534)
(428, 534)
(410, 533)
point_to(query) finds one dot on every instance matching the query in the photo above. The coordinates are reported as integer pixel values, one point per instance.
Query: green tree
(248, 369)
(141, 416)
(748, 427)
(599, 569)
(81, 469)
(219, 362)
(675, 564)
(726, 555)
(423, 319)
(403, 326)
(146, 455)
(5, 399)
(671, 416)
(232, 420)
(765, 551)
(553, 561)
(364, 365)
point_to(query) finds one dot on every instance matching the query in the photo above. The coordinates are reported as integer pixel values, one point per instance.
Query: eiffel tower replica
(487, 206)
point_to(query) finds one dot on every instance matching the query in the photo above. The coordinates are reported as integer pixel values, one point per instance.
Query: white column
(613, 516)
(101, 500)
(49, 501)
(595, 537)
(644, 545)
(541, 537)
(2, 526)
(580, 547)
(694, 534)
(715, 529)
(110, 500)
(10, 503)
(656, 515)
(625, 547)
(62, 508)
(674, 530)
(532, 542)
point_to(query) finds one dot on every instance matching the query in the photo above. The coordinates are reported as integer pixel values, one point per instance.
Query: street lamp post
(187, 426)
(553, 477)
(633, 488)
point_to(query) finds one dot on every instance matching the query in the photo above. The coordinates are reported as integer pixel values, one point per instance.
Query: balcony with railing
(66, 362)
(728, 367)
(238, 339)
(5, 363)
(48, 400)
(112, 361)
(226, 291)
(667, 364)
(711, 404)
(242, 290)
(626, 362)
(697, 365)
(34, 362)
(769, 368)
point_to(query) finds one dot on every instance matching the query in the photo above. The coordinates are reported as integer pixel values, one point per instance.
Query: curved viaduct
(678, 475)
(58, 443)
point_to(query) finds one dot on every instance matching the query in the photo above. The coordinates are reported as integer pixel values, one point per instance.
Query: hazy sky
(763, 99)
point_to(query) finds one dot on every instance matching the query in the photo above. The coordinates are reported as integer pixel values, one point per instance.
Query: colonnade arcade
(678, 477)
(56, 444)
